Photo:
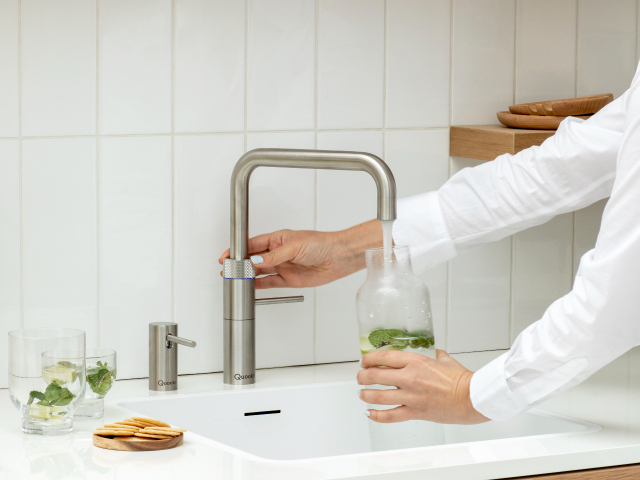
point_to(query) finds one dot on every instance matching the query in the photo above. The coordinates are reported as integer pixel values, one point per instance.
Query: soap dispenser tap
(163, 355)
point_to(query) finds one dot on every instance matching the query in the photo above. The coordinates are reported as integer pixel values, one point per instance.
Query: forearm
(353, 242)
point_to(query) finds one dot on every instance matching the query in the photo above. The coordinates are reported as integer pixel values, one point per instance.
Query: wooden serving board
(136, 444)
(564, 107)
(536, 122)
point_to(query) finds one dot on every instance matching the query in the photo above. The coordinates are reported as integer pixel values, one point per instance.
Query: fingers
(226, 254)
(275, 257)
(270, 281)
(380, 376)
(441, 355)
(393, 415)
(387, 358)
(381, 397)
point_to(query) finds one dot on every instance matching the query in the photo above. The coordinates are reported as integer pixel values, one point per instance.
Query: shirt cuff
(421, 226)
(491, 395)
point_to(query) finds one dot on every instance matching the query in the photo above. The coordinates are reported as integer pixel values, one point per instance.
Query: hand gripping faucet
(239, 274)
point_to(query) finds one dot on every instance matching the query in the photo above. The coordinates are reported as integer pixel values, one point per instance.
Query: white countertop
(610, 399)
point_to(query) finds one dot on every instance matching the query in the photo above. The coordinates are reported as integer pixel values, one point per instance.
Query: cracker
(110, 432)
(131, 423)
(121, 427)
(150, 421)
(160, 432)
(169, 429)
(148, 435)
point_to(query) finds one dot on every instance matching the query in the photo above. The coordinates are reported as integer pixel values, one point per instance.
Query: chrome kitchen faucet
(239, 273)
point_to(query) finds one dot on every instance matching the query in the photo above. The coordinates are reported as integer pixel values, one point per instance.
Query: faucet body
(239, 274)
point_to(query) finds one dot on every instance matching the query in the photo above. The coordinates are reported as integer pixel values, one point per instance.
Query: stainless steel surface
(275, 300)
(317, 159)
(239, 352)
(239, 299)
(241, 269)
(181, 341)
(163, 355)
(239, 291)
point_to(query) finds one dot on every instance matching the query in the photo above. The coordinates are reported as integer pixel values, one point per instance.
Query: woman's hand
(427, 389)
(308, 258)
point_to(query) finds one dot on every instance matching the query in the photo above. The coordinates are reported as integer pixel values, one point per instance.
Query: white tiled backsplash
(121, 120)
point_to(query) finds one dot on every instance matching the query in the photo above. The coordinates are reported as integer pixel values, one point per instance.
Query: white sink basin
(324, 420)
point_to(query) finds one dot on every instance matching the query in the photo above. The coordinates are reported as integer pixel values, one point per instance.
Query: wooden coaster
(136, 444)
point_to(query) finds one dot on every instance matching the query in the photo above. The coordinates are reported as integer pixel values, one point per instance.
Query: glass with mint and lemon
(393, 305)
(47, 377)
(101, 374)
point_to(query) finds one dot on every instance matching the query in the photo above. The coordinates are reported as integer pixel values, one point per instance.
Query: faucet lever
(180, 340)
(273, 301)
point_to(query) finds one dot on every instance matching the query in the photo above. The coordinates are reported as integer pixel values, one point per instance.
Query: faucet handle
(179, 340)
(273, 301)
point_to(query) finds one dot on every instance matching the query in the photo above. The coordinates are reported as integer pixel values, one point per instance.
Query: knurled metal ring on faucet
(239, 269)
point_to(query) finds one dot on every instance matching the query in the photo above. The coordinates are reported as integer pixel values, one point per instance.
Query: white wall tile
(587, 227)
(283, 198)
(58, 67)
(60, 234)
(479, 292)
(281, 65)
(203, 166)
(135, 66)
(9, 246)
(9, 71)
(135, 246)
(350, 63)
(475, 361)
(209, 66)
(483, 56)
(545, 50)
(542, 270)
(419, 160)
(418, 63)
(606, 46)
(344, 199)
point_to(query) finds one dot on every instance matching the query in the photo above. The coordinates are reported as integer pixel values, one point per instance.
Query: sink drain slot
(266, 412)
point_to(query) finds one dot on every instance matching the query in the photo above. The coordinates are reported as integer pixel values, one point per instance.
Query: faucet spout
(239, 277)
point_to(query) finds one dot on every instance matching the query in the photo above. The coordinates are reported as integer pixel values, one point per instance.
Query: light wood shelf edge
(486, 142)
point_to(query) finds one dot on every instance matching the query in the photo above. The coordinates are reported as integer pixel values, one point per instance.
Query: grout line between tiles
(448, 279)
(515, 49)
(173, 161)
(234, 132)
(20, 163)
(246, 73)
(577, 46)
(98, 204)
(315, 132)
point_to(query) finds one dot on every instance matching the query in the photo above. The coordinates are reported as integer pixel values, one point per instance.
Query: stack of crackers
(140, 427)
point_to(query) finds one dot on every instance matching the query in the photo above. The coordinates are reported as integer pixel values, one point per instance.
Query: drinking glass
(101, 373)
(38, 385)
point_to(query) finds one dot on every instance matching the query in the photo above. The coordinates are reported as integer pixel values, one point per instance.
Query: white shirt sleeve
(570, 170)
(587, 328)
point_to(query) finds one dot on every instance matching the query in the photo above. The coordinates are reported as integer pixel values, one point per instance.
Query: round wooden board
(136, 444)
(536, 122)
(564, 107)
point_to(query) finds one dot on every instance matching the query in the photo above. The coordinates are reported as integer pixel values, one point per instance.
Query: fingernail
(360, 362)
(367, 413)
(257, 260)
(359, 392)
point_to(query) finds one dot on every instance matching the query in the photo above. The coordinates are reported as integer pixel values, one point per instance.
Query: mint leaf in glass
(100, 378)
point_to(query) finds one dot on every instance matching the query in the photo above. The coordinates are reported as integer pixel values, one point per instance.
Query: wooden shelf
(486, 142)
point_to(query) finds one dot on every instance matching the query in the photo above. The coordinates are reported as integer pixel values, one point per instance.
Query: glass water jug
(393, 305)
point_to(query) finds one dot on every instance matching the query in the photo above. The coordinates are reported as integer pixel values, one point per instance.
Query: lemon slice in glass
(60, 373)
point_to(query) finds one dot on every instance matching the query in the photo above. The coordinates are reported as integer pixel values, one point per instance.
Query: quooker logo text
(237, 376)
(162, 383)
